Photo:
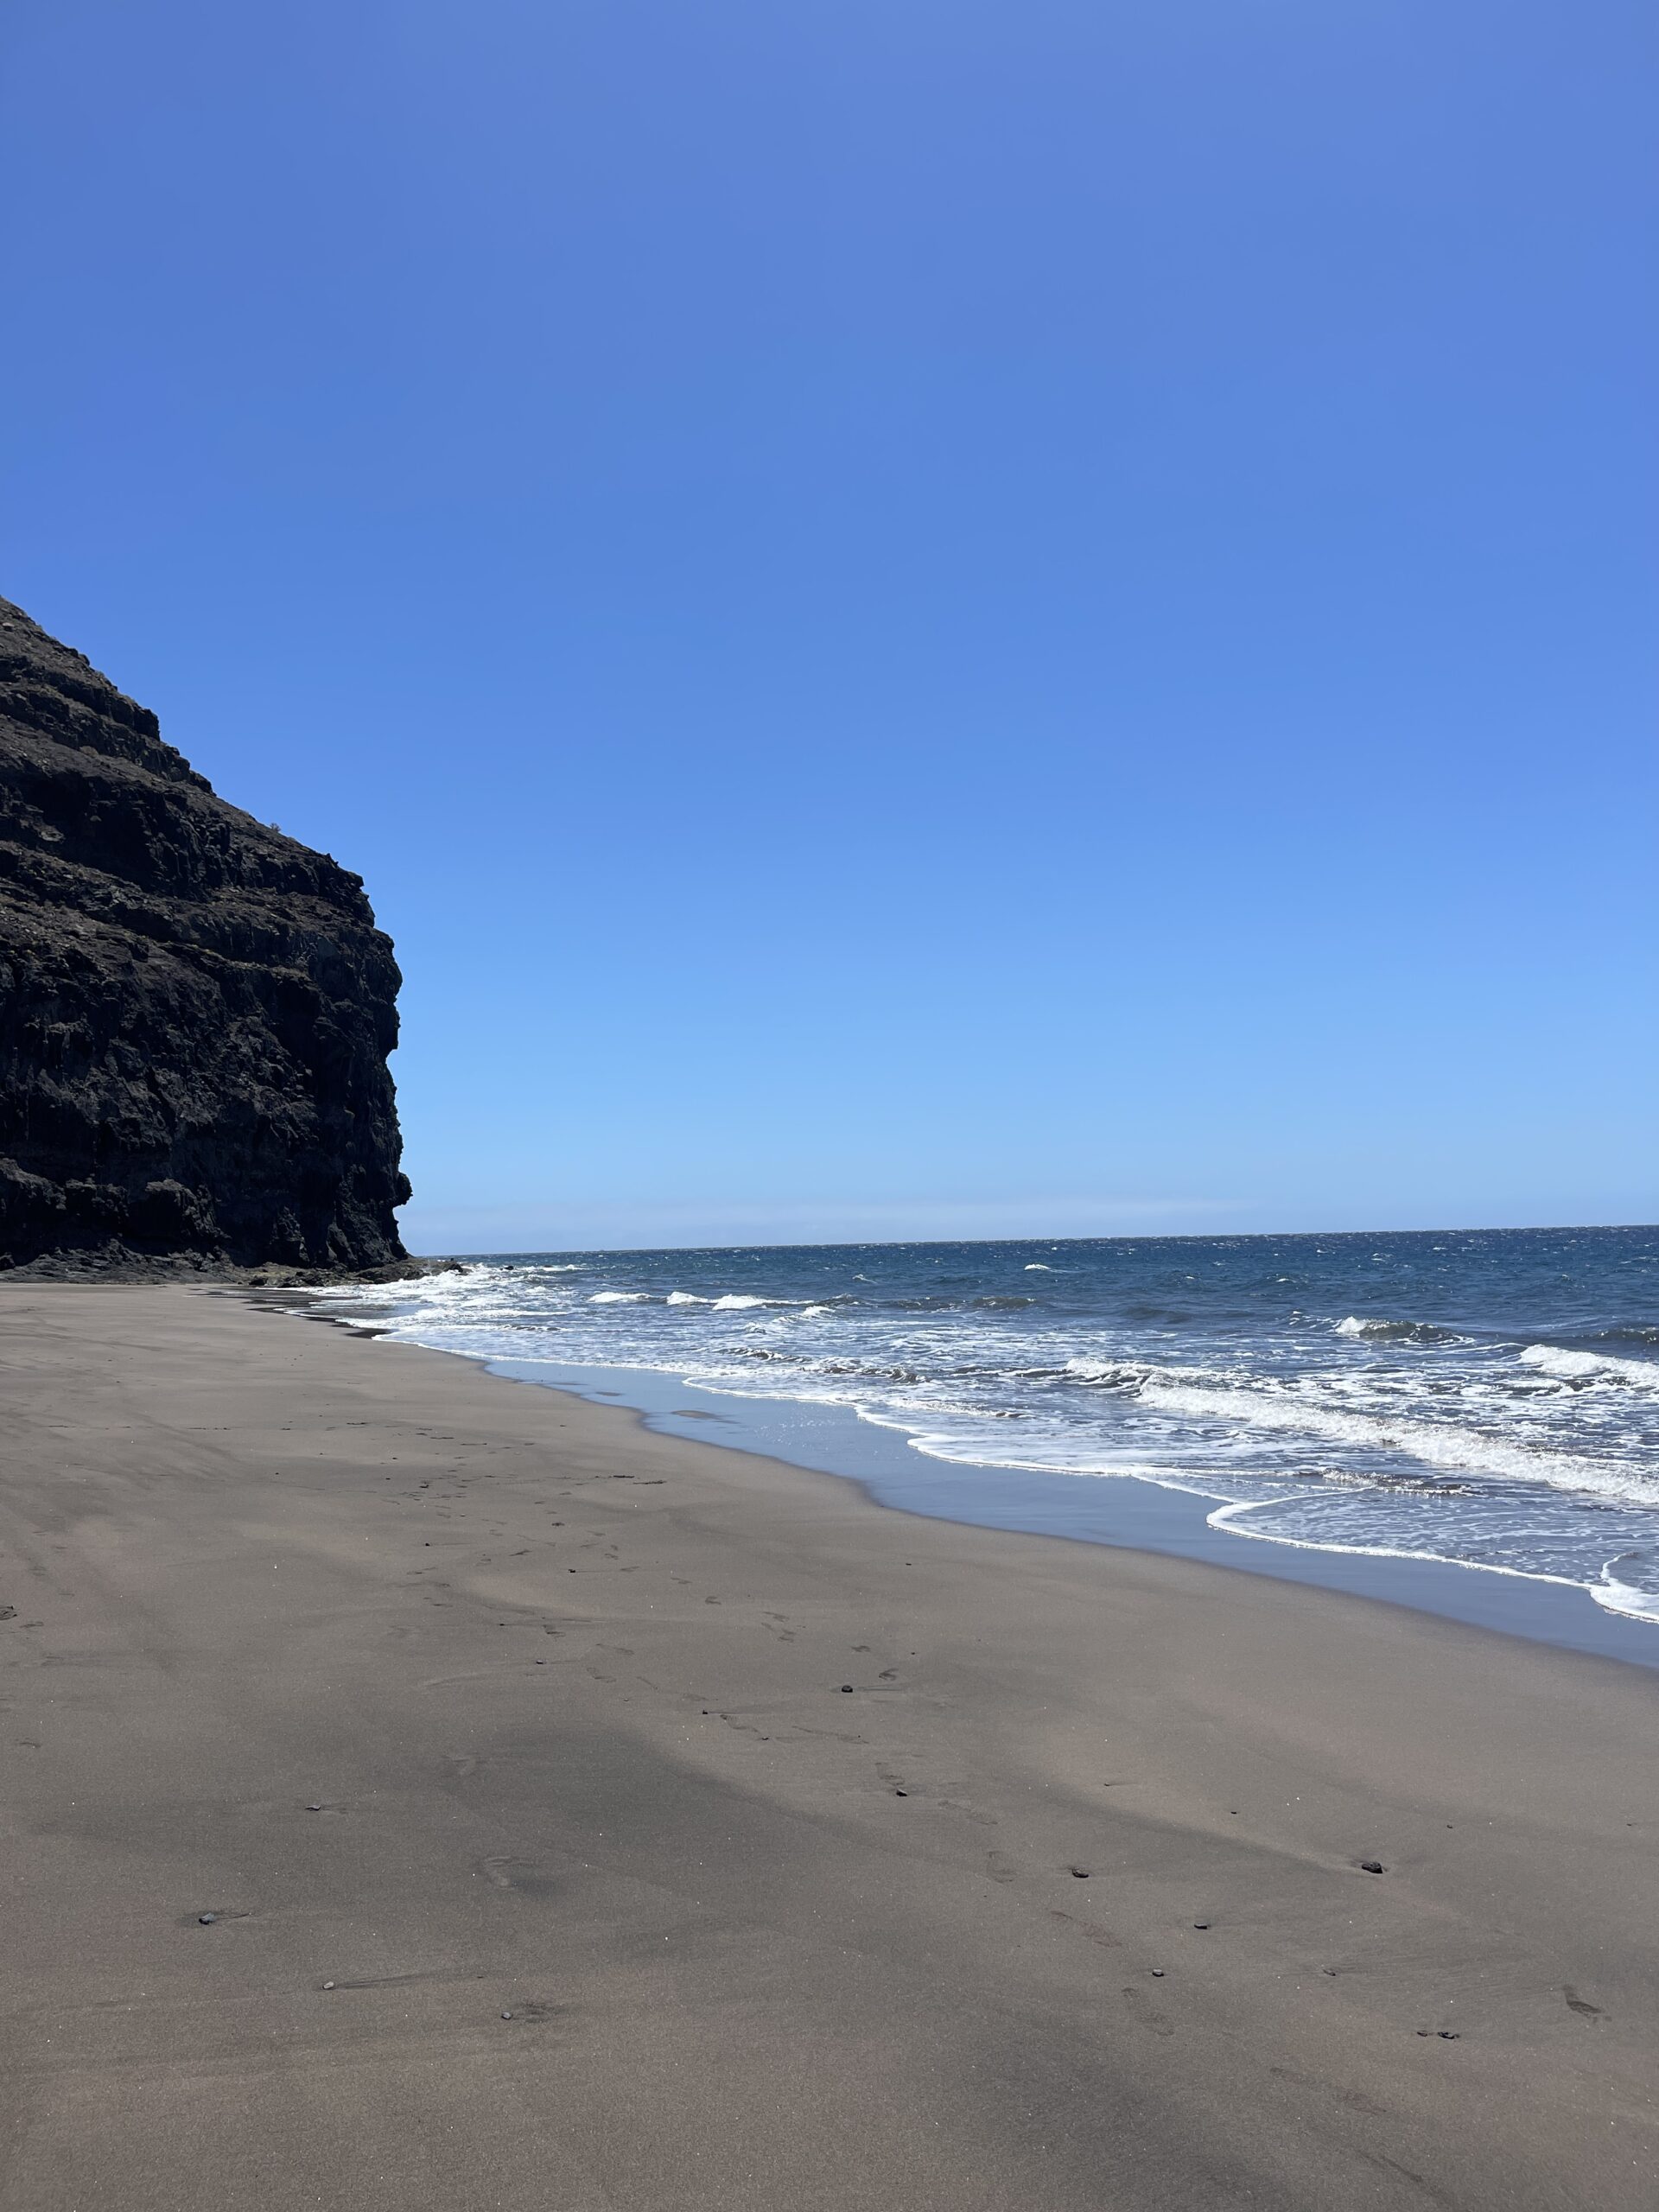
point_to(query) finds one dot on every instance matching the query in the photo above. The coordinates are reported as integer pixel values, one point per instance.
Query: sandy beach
(427, 1790)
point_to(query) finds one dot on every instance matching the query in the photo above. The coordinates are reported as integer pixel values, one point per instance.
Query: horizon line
(1132, 1237)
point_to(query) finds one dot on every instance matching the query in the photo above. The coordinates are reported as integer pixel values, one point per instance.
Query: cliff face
(195, 1011)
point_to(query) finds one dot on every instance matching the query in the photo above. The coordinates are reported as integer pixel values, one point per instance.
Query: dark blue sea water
(1488, 1400)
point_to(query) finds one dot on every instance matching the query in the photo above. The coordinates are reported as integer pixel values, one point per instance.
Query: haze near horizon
(923, 622)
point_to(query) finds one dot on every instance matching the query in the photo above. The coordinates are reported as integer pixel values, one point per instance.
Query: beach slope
(422, 1791)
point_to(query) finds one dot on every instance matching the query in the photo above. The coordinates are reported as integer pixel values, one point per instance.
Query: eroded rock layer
(195, 1011)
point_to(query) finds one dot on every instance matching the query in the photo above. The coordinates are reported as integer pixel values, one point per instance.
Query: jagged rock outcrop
(195, 1011)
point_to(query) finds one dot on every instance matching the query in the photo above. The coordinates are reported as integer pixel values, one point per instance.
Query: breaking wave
(1593, 1367)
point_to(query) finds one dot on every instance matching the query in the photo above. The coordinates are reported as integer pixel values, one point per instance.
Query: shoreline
(1124, 1513)
(445, 1703)
(1490, 1460)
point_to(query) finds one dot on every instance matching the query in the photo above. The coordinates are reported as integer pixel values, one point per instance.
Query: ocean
(1487, 1399)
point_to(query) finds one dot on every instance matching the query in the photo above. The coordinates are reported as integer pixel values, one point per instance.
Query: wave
(1432, 1444)
(1592, 1367)
(1222, 1402)
(1111, 1374)
(1608, 1593)
(1616, 1596)
(619, 1298)
(1380, 1331)
(687, 1298)
(739, 1302)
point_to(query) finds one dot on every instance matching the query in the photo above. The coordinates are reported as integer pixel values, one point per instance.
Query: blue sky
(924, 618)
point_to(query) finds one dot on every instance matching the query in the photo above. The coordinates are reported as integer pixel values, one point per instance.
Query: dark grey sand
(449, 1699)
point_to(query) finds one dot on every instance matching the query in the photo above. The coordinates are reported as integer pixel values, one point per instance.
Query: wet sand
(352, 1700)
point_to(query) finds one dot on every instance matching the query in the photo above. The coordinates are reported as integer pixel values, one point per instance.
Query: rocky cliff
(195, 1011)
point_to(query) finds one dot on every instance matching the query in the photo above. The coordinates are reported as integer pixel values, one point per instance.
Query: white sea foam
(687, 1298)
(1592, 1367)
(1038, 1267)
(1616, 1596)
(619, 1298)
(737, 1301)
(1434, 1444)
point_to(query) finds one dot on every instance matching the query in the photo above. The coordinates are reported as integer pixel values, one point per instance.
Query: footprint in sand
(522, 1876)
(969, 1813)
(1577, 2004)
(744, 1727)
(1103, 1937)
(1000, 1868)
(1143, 2009)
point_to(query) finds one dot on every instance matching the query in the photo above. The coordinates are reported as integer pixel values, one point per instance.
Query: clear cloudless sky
(926, 617)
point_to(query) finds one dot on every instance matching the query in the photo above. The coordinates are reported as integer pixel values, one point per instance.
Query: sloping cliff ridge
(195, 1011)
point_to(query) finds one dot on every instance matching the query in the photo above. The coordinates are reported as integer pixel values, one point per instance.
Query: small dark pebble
(1157, 1972)
(1081, 1873)
(1447, 2035)
(1200, 1923)
(846, 1689)
(314, 1809)
(207, 1918)
(901, 1793)
(1372, 1866)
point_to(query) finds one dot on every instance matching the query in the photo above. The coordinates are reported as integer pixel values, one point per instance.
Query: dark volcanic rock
(195, 1011)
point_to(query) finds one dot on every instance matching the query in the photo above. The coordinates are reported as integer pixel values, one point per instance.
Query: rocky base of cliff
(120, 1263)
